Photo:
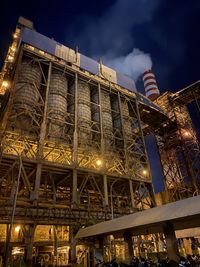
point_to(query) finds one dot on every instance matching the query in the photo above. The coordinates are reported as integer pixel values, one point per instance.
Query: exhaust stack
(150, 85)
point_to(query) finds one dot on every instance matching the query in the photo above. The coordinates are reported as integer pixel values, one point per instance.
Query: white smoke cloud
(133, 64)
(111, 37)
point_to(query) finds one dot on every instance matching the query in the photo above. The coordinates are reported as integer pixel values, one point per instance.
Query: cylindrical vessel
(150, 85)
(94, 110)
(106, 119)
(115, 113)
(26, 94)
(126, 121)
(57, 104)
(84, 112)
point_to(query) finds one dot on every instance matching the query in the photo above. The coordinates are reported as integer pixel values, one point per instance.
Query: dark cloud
(172, 41)
(110, 34)
(168, 31)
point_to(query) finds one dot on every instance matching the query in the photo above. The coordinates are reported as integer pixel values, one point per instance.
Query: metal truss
(179, 150)
(62, 173)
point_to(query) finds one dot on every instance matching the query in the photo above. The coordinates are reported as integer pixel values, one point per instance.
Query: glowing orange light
(99, 162)
(144, 172)
(17, 228)
(13, 48)
(10, 58)
(5, 84)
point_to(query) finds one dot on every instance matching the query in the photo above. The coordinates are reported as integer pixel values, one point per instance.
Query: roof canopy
(182, 214)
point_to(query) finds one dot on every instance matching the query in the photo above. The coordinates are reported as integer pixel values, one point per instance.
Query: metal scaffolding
(80, 139)
(178, 145)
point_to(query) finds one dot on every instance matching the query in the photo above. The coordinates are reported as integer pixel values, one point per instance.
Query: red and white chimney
(150, 85)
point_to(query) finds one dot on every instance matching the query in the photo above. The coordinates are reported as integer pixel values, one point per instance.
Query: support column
(99, 250)
(105, 186)
(75, 142)
(187, 246)
(29, 239)
(91, 256)
(153, 202)
(55, 262)
(74, 190)
(73, 250)
(101, 242)
(128, 246)
(35, 193)
(75, 136)
(132, 195)
(171, 242)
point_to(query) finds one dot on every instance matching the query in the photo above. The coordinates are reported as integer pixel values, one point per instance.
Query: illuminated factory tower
(177, 142)
(72, 146)
(178, 145)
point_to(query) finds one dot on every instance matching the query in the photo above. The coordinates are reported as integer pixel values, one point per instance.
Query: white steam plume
(134, 64)
(110, 36)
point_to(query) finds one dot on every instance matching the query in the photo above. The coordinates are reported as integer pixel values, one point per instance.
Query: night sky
(167, 30)
(109, 29)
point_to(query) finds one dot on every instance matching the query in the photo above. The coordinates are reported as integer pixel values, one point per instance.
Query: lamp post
(111, 198)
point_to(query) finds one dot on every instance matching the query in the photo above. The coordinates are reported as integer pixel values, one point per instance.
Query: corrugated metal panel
(126, 82)
(66, 53)
(89, 64)
(50, 46)
(109, 74)
(38, 40)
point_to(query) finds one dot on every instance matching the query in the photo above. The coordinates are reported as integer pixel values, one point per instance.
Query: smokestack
(150, 85)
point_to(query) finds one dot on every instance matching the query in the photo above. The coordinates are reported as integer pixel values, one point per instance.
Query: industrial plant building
(73, 150)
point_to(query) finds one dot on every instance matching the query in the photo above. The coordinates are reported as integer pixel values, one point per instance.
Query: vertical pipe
(35, 194)
(74, 190)
(105, 180)
(123, 130)
(111, 198)
(101, 121)
(75, 144)
(105, 185)
(131, 193)
(55, 245)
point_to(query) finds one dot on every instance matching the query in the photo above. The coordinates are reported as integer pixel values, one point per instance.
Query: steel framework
(178, 145)
(74, 169)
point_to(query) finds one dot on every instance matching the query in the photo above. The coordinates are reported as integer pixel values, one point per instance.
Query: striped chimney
(150, 85)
